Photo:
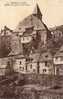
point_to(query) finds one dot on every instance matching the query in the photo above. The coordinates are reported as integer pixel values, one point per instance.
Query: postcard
(31, 49)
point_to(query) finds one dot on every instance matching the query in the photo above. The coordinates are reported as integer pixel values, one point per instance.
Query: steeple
(37, 12)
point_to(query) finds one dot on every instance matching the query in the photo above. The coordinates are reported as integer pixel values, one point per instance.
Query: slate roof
(35, 57)
(46, 56)
(32, 21)
(29, 22)
(60, 28)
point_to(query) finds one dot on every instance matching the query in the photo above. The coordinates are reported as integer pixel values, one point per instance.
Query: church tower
(37, 12)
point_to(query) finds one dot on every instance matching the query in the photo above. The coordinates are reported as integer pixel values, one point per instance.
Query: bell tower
(37, 12)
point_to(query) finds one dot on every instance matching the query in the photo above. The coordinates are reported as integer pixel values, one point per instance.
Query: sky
(14, 11)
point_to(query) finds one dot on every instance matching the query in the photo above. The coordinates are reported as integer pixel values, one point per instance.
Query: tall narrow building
(37, 12)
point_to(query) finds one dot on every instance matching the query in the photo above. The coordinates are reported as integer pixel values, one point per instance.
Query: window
(59, 34)
(45, 63)
(56, 58)
(31, 66)
(20, 62)
(54, 36)
(19, 28)
(44, 70)
(27, 38)
(46, 56)
(34, 70)
(23, 38)
(26, 67)
(8, 63)
(61, 51)
(21, 68)
(61, 58)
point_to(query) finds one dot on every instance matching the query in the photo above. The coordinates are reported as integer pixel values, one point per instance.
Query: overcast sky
(52, 11)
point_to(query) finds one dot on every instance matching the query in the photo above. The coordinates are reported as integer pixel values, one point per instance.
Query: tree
(5, 47)
(9, 67)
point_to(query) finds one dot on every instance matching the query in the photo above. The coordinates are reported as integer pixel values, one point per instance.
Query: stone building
(41, 63)
(46, 63)
(58, 62)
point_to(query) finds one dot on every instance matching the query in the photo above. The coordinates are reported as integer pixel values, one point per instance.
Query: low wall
(20, 92)
(46, 80)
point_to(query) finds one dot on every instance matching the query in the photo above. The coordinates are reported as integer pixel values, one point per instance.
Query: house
(32, 63)
(20, 64)
(46, 63)
(24, 64)
(12, 63)
(19, 60)
(58, 61)
(6, 31)
(57, 35)
(40, 63)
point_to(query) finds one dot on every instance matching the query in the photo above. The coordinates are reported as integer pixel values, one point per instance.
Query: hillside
(10, 43)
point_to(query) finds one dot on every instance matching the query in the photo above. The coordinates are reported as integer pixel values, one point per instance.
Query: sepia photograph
(31, 49)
